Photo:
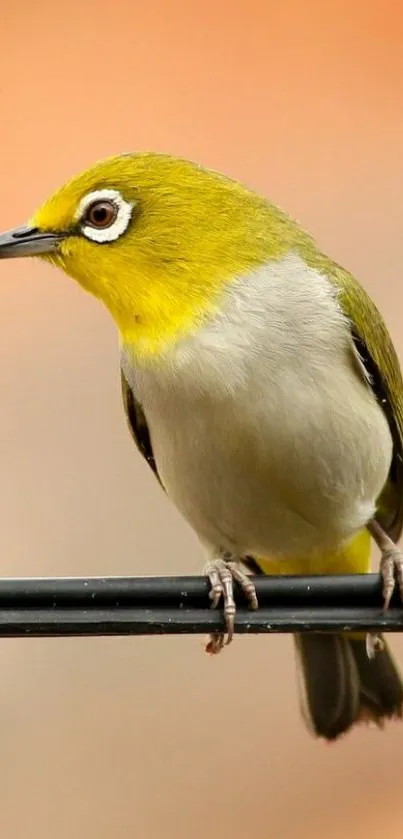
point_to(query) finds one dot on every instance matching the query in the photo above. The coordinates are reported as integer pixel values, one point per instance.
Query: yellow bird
(260, 384)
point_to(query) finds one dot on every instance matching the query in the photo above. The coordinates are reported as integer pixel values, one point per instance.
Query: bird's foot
(374, 644)
(222, 574)
(391, 564)
(391, 570)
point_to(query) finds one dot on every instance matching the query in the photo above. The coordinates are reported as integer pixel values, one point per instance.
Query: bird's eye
(101, 214)
(104, 215)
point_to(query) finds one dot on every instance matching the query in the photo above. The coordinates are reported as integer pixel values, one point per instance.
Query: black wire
(357, 589)
(178, 605)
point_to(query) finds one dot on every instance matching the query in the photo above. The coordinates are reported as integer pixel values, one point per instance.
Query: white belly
(265, 434)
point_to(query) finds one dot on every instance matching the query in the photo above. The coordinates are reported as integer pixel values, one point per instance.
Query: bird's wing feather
(374, 346)
(138, 424)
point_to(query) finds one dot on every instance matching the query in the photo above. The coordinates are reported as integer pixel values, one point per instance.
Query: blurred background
(149, 737)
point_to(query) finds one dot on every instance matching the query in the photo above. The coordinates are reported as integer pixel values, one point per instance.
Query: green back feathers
(376, 350)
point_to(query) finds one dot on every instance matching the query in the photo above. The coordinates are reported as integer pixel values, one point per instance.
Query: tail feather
(340, 686)
(381, 690)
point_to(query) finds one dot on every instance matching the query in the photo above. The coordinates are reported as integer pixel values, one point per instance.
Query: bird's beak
(27, 241)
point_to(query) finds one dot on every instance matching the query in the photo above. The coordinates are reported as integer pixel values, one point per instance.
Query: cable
(79, 606)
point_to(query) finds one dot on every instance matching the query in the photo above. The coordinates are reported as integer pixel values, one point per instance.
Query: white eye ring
(119, 225)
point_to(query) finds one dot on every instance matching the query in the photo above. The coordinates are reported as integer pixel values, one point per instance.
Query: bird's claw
(391, 568)
(374, 644)
(221, 574)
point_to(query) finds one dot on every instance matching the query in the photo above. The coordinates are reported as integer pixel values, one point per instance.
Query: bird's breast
(265, 433)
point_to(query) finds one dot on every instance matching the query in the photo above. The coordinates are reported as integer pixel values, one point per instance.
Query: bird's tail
(341, 686)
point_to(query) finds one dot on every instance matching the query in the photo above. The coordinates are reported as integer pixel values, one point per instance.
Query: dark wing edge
(377, 353)
(138, 425)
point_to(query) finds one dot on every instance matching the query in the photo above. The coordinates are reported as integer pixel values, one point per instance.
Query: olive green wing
(138, 424)
(375, 348)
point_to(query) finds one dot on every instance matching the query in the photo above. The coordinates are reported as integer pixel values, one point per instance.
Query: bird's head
(156, 238)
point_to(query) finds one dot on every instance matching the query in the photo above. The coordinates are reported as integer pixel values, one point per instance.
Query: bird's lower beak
(27, 241)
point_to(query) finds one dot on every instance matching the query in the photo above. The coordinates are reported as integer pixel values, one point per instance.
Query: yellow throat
(192, 232)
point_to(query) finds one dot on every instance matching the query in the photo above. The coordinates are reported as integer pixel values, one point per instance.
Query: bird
(260, 384)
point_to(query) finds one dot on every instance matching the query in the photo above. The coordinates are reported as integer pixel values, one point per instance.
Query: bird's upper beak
(27, 241)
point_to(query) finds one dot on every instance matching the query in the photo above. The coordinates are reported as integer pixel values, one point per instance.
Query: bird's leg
(391, 569)
(391, 564)
(222, 573)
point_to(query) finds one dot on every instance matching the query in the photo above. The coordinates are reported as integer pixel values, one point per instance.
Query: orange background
(143, 737)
